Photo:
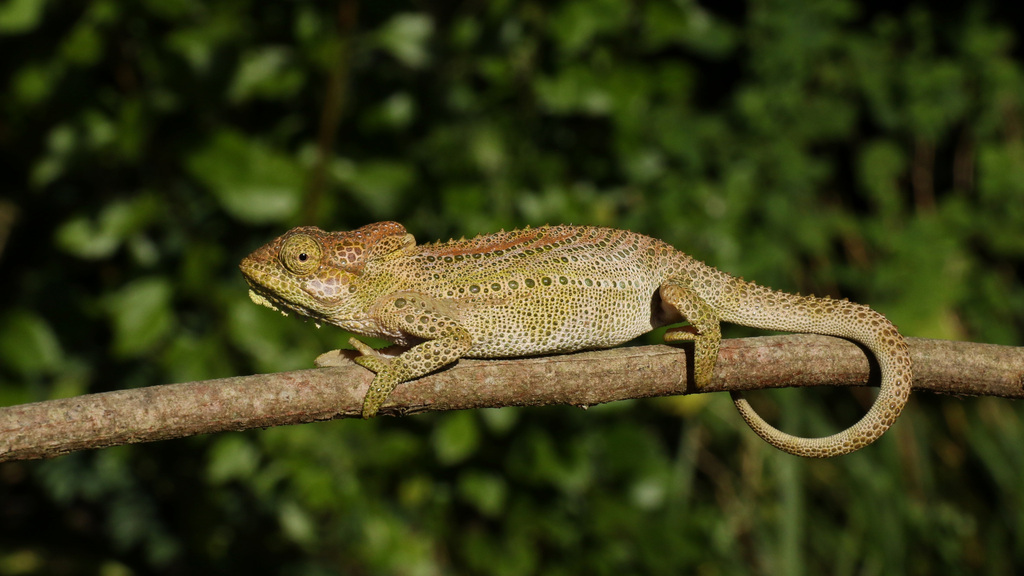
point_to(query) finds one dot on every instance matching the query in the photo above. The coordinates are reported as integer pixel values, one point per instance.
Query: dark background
(869, 150)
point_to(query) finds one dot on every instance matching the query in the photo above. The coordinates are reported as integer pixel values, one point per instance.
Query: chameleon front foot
(380, 389)
(384, 382)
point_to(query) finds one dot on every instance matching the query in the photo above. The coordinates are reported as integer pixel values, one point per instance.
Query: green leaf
(579, 22)
(62, 141)
(396, 112)
(487, 492)
(378, 184)
(253, 182)
(577, 89)
(84, 46)
(686, 24)
(118, 222)
(937, 97)
(456, 437)
(140, 315)
(499, 420)
(881, 165)
(232, 457)
(34, 82)
(297, 523)
(28, 345)
(20, 16)
(405, 36)
(268, 72)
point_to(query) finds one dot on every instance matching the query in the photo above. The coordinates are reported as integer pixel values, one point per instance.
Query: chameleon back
(539, 290)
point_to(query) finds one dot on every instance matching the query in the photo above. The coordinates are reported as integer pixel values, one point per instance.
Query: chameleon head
(314, 273)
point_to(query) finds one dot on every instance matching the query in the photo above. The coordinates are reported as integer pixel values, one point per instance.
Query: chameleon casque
(547, 290)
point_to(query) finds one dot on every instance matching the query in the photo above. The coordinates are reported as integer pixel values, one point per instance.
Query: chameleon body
(549, 290)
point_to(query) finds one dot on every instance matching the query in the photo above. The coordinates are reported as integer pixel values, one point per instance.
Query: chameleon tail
(751, 305)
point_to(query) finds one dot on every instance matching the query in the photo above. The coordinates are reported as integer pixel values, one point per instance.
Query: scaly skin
(548, 290)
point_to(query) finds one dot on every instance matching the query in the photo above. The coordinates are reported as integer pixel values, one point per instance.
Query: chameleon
(549, 290)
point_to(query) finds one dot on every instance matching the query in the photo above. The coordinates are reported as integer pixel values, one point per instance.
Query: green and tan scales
(548, 290)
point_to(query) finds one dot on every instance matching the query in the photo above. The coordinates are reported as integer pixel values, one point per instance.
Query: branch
(55, 427)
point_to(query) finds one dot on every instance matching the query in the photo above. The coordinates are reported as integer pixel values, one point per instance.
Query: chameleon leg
(704, 330)
(421, 317)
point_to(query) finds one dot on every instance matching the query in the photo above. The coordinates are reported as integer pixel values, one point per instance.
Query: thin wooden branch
(55, 427)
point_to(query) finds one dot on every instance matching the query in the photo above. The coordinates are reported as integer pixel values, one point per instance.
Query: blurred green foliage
(866, 150)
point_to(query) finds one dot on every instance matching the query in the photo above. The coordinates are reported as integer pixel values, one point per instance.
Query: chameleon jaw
(269, 302)
(262, 300)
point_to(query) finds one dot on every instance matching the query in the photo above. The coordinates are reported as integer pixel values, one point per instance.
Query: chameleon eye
(300, 254)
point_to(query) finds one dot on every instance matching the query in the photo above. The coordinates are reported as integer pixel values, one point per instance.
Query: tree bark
(56, 427)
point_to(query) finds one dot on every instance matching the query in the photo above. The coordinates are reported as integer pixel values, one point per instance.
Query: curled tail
(746, 303)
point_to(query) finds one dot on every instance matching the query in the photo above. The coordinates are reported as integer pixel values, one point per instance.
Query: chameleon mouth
(260, 295)
(264, 298)
(258, 298)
